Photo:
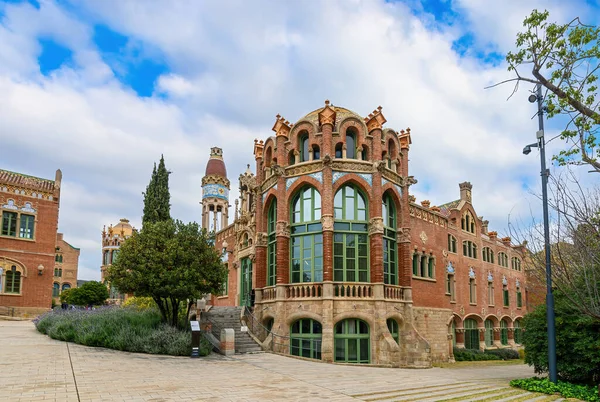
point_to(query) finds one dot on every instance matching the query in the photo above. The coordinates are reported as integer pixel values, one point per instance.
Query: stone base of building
(432, 324)
(24, 312)
(281, 309)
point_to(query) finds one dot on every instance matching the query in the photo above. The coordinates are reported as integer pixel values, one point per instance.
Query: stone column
(283, 251)
(327, 200)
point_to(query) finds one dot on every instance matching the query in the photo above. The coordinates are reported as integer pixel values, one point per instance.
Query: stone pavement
(34, 367)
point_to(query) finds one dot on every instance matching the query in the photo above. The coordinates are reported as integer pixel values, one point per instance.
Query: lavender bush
(118, 328)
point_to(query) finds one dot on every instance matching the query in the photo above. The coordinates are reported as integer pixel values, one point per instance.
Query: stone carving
(410, 180)
(327, 222)
(10, 204)
(277, 170)
(376, 225)
(483, 312)
(423, 237)
(327, 160)
(471, 273)
(261, 239)
(352, 165)
(518, 283)
(490, 276)
(462, 310)
(504, 280)
(215, 179)
(450, 268)
(282, 229)
(303, 169)
(403, 235)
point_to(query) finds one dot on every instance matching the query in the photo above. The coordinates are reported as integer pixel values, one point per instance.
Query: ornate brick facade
(66, 263)
(28, 239)
(112, 238)
(328, 234)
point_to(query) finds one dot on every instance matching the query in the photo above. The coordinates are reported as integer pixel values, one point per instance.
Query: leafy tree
(64, 295)
(577, 342)
(170, 261)
(157, 197)
(564, 59)
(90, 293)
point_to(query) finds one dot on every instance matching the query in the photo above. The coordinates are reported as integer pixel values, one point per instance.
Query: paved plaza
(37, 368)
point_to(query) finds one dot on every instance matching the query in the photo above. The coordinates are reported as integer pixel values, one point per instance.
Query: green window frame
(519, 298)
(489, 333)
(518, 332)
(352, 341)
(350, 144)
(472, 291)
(306, 246)
(350, 238)
(451, 244)
(516, 264)
(246, 282)
(502, 259)
(27, 225)
(469, 249)
(488, 255)
(9, 223)
(503, 333)
(303, 146)
(12, 281)
(416, 259)
(393, 328)
(225, 285)
(390, 247)
(272, 244)
(305, 338)
(471, 334)
(506, 296)
(450, 286)
(55, 289)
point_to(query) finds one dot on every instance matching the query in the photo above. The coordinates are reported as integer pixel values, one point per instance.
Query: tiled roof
(445, 208)
(24, 181)
(341, 114)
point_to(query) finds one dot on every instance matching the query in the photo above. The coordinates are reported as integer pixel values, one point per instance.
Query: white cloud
(234, 65)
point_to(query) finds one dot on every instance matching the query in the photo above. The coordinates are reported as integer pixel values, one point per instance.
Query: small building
(112, 238)
(335, 257)
(28, 240)
(66, 263)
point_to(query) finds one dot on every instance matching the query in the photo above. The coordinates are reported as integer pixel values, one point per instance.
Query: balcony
(333, 291)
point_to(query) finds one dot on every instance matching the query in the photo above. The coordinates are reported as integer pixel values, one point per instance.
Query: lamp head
(527, 150)
(533, 98)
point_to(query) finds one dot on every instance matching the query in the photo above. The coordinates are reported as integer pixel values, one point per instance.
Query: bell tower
(215, 192)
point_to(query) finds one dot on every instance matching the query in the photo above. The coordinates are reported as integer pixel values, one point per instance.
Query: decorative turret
(215, 192)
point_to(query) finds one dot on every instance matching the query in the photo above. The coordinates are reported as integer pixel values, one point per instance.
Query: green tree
(170, 261)
(577, 342)
(90, 293)
(157, 198)
(564, 59)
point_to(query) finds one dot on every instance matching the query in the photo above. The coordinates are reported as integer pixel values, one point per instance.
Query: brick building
(341, 264)
(66, 263)
(112, 238)
(28, 239)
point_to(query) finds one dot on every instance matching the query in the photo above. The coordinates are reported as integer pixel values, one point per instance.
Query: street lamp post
(541, 144)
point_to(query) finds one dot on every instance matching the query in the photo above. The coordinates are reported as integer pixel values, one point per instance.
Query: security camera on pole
(541, 144)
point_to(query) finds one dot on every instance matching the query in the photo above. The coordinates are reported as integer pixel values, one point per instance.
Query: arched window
(489, 333)
(268, 156)
(338, 150)
(502, 259)
(303, 136)
(365, 153)
(519, 297)
(393, 328)
(291, 158)
(390, 248)
(12, 280)
(316, 152)
(391, 152)
(516, 263)
(469, 249)
(352, 343)
(451, 244)
(350, 238)
(271, 244)
(66, 286)
(471, 334)
(503, 332)
(55, 289)
(488, 255)
(306, 237)
(468, 222)
(350, 144)
(305, 338)
(517, 332)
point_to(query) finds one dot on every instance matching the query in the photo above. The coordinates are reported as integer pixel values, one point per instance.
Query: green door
(246, 282)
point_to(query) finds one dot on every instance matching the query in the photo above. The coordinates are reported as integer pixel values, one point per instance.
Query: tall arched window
(390, 248)
(303, 146)
(350, 238)
(316, 152)
(489, 333)
(338, 150)
(468, 222)
(350, 144)
(503, 332)
(271, 244)
(55, 289)
(391, 152)
(12, 280)
(305, 338)
(517, 331)
(393, 328)
(352, 343)
(471, 334)
(66, 286)
(307, 237)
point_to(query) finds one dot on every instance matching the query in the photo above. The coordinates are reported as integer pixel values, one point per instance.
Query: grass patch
(566, 389)
(126, 329)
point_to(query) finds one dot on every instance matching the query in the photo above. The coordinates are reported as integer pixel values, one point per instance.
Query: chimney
(506, 241)
(465, 191)
(484, 225)
(425, 203)
(59, 237)
(493, 235)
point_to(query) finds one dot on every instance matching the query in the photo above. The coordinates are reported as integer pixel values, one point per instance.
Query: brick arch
(453, 317)
(358, 181)
(476, 317)
(393, 192)
(292, 318)
(355, 314)
(301, 182)
(507, 318)
(20, 266)
(396, 316)
(303, 125)
(493, 318)
(390, 135)
(271, 196)
(360, 126)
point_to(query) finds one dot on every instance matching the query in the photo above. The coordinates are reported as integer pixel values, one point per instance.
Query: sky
(102, 89)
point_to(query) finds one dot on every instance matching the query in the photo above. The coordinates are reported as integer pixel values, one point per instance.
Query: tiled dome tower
(215, 192)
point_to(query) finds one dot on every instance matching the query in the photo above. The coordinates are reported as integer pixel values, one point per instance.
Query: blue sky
(102, 89)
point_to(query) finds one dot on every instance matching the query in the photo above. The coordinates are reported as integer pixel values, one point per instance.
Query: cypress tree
(157, 197)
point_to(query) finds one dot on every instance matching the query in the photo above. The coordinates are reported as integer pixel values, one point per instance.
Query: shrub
(577, 343)
(90, 293)
(504, 354)
(461, 355)
(522, 354)
(118, 328)
(140, 303)
(566, 389)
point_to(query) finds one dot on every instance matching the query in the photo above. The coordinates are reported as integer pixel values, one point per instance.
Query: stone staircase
(229, 317)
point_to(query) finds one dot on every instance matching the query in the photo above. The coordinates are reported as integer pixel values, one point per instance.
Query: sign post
(195, 325)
